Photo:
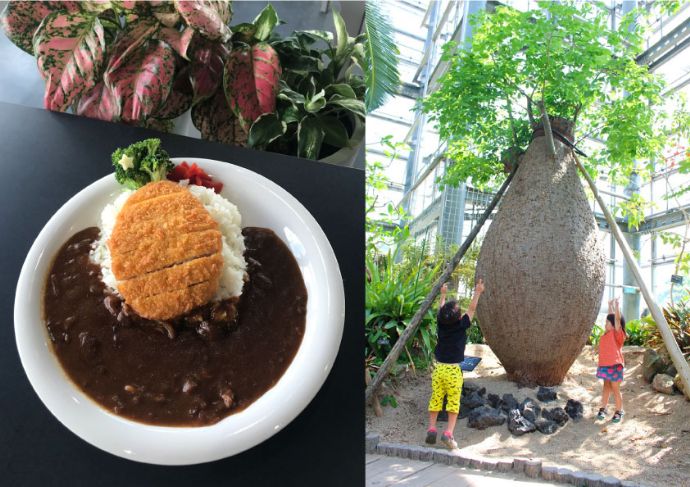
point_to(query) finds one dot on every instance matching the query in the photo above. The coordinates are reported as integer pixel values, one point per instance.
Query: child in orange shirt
(611, 365)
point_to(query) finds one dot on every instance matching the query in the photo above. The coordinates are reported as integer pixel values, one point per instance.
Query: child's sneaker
(617, 417)
(448, 440)
(431, 437)
(602, 413)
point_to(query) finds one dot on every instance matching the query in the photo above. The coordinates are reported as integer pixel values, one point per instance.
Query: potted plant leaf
(320, 103)
(147, 63)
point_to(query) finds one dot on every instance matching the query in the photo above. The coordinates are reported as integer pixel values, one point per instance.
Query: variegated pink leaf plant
(148, 62)
(250, 81)
(70, 49)
(138, 62)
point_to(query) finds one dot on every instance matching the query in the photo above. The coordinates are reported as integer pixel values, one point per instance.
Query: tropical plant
(383, 227)
(637, 331)
(678, 318)
(595, 335)
(559, 66)
(146, 63)
(563, 56)
(321, 96)
(382, 75)
(394, 292)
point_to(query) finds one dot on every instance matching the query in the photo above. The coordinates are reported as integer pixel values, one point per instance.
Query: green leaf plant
(565, 56)
(382, 74)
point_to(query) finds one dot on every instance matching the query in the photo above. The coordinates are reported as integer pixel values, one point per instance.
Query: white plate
(261, 203)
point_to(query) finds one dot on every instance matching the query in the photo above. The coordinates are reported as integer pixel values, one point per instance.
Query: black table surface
(46, 158)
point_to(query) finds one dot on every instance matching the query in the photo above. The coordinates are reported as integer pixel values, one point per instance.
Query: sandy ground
(650, 446)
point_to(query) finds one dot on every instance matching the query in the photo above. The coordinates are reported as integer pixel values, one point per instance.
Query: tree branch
(373, 205)
(512, 122)
(530, 113)
(577, 112)
(547, 129)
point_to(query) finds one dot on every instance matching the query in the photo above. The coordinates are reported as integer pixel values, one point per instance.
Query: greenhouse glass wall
(421, 29)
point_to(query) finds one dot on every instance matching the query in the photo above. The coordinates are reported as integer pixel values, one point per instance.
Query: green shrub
(678, 318)
(474, 333)
(394, 293)
(637, 331)
(595, 336)
(389, 400)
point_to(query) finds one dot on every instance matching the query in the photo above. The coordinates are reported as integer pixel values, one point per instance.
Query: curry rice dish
(170, 313)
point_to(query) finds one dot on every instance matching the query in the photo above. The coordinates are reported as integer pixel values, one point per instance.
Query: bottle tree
(543, 264)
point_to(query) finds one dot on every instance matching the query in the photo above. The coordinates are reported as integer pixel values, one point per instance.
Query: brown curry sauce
(191, 371)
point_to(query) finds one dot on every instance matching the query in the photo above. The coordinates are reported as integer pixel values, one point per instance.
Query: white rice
(221, 210)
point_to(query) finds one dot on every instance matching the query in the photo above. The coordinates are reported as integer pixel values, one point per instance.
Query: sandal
(602, 413)
(617, 417)
(431, 437)
(449, 441)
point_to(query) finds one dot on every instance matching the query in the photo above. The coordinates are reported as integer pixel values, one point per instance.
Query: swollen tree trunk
(543, 267)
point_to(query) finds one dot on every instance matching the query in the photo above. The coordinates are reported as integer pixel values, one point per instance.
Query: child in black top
(446, 379)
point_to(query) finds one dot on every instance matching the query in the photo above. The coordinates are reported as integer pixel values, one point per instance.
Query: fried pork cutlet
(166, 251)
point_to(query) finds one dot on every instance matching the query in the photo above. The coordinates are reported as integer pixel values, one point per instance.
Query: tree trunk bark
(543, 267)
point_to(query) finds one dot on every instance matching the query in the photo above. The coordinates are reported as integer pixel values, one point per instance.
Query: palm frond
(382, 76)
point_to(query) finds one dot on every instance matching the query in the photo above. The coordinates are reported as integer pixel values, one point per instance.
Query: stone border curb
(530, 467)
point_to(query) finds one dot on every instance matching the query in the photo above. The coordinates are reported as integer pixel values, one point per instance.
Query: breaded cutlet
(166, 251)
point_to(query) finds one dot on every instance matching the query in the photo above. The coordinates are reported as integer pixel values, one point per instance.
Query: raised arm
(617, 315)
(444, 290)
(478, 290)
(611, 306)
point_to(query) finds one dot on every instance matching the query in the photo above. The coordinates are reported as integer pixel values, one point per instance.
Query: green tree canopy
(563, 55)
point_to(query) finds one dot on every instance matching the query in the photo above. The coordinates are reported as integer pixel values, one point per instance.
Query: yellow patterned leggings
(446, 380)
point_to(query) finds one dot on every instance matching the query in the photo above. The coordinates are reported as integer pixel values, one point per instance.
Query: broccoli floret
(141, 163)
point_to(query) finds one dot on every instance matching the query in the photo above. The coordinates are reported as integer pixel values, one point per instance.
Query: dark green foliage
(389, 400)
(150, 163)
(321, 93)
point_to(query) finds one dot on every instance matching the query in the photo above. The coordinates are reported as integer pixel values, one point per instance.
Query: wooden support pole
(428, 301)
(669, 340)
(376, 404)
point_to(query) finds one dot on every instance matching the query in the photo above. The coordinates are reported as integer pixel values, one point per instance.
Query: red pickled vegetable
(195, 175)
